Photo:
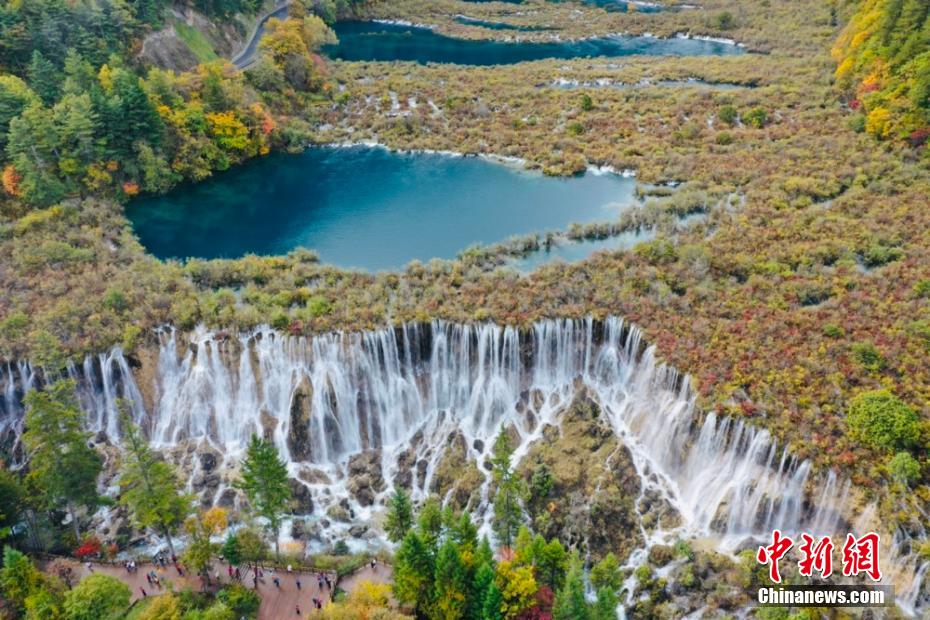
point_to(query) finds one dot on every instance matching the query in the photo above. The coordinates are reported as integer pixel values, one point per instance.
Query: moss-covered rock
(590, 500)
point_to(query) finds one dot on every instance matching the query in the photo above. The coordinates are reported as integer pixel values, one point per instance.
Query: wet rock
(208, 460)
(422, 466)
(302, 529)
(660, 555)
(301, 498)
(227, 498)
(365, 480)
(405, 463)
(591, 502)
(313, 476)
(357, 531)
(455, 476)
(269, 424)
(339, 513)
(298, 435)
(478, 446)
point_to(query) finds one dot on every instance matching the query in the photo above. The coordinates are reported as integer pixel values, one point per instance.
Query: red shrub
(90, 547)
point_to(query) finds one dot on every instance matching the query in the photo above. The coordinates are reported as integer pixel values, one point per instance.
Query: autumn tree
(200, 548)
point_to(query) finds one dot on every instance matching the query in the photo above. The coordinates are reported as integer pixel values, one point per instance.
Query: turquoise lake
(369, 208)
(373, 41)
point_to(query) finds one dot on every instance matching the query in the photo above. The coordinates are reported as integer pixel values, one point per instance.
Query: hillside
(883, 58)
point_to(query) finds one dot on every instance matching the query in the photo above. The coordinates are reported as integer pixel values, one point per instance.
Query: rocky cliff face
(169, 49)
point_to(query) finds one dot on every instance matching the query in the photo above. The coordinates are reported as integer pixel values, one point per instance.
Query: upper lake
(365, 41)
(368, 208)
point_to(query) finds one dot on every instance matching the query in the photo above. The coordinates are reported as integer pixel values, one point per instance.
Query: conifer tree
(62, 464)
(265, 482)
(149, 487)
(508, 513)
(399, 517)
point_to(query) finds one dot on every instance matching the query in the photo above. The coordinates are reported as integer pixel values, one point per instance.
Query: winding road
(249, 53)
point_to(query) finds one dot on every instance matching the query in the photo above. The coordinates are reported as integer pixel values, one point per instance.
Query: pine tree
(450, 584)
(265, 482)
(62, 464)
(413, 573)
(149, 487)
(606, 574)
(606, 606)
(399, 517)
(552, 562)
(570, 603)
(429, 523)
(508, 513)
(481, 588)
(44, 78)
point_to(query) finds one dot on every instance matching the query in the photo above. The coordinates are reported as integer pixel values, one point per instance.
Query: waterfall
(327, 398)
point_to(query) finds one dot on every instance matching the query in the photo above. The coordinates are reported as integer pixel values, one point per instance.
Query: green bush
(878, 254)
(724, 138)
(586, 103)
(922, 289)
(833, 331)
(856, 123)
(575, 128)
(868, 356)
(241, 600)
(724, 21)
(757, 117)
(728, 114)
(880, 419)
(904, 467)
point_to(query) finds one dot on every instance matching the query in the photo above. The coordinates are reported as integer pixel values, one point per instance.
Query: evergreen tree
(451, 584)
(508, 513)
(32, 147)
(482, 598)
(15, 96)
(264, 480)
(606, 574)
(149, 487)
(552, 561)
(429, 523)
(492, 603)
(605, 608)
(19, 578)
(11, 502)
(399, 517)
(570, 603)
(62, 464)
(413, 573)
(44, 78)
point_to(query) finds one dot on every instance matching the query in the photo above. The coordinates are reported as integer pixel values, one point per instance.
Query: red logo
(860, 555)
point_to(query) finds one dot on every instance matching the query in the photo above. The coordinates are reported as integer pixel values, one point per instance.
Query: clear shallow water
(367, 41)
(368, 207)
(574, 251)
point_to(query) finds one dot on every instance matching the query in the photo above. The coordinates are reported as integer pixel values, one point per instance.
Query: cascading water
(326, 399)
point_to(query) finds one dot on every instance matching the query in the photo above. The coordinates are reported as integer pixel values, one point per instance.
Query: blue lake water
(368, 207)
(373, 41)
